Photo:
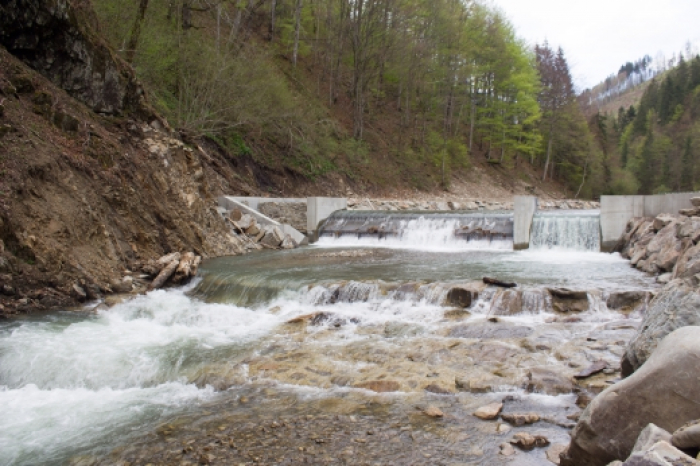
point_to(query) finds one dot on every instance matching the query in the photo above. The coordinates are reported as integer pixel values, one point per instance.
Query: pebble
(489, 412)
(507, 449)
(527, 441)
(432, 411)
(520, 419)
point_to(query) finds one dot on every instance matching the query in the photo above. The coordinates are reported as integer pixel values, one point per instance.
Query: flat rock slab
(490, 330)
(489, 412)
(379, 386)
(593, 369)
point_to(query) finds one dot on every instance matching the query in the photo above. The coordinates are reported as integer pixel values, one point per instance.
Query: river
(273, 358)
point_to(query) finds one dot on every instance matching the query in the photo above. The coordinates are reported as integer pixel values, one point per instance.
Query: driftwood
(164, 275)
(496, 282)
(184, 269)
(165, 260)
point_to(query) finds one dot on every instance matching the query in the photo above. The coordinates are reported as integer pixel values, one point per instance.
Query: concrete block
(319, 209)
(524, 210)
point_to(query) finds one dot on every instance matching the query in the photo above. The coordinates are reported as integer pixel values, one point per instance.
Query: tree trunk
(297, 27)
(136, 32)
(549, 154)
(186, 15)
(472, 121)
(273, 9)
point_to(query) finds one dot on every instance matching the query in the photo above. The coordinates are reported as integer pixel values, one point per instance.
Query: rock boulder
(664, 391)
(676, 306)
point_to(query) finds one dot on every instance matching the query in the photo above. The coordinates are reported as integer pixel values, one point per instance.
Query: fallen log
(164, 275)
(496, 282)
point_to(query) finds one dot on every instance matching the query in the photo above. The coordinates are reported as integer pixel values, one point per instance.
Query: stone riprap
(463, 204)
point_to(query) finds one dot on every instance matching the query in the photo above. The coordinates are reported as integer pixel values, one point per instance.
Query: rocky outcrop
(80, 211)
(58, 39)
(667, 246)
(664, 391)
(676, 306)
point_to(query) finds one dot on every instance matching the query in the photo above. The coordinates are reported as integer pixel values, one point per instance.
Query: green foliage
(624, 183)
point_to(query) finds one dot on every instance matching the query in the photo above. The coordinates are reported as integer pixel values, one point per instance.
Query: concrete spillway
(419, 229)
(573, 230)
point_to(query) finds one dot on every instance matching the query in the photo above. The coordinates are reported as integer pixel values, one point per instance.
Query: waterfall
(459, 231)
(576, 230)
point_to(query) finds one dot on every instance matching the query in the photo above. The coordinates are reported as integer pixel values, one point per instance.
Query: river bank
(656, 361)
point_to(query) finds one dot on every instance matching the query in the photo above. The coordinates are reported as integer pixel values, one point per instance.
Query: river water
(272, 357)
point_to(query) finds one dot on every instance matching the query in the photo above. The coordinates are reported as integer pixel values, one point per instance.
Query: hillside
(315, 91)
(95, 183)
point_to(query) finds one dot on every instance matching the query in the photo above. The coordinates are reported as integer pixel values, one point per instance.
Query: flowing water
(577, 230)
(275, 356)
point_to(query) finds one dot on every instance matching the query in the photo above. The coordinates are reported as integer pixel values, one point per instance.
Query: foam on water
(426, 233)
(46, 426)
(71, 382)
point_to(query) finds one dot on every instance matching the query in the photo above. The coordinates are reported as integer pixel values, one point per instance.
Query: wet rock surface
(271, 426)
(663, 391)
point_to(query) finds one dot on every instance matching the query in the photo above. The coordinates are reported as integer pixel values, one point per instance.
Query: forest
(394, 91)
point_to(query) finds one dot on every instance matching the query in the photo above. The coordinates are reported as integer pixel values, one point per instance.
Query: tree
(136, 31)
(556, 95)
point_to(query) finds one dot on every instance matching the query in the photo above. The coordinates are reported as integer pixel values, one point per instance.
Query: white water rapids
(74, 384)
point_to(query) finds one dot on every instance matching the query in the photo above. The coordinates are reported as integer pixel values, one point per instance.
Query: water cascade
(435, 230)
(574, 230)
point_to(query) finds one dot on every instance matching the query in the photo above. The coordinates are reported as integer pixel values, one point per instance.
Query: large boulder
(664, 391)
(507, 302)
(676, 306)
(689, 263)
(627, 301)
(689, 228)
(660, 454)
(565, 300)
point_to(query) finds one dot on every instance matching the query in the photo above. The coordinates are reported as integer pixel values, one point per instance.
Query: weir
(419, 229)
(574, 230)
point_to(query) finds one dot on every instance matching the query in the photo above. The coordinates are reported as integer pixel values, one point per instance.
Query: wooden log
(164, 275)
(496, 282)
(184, 268)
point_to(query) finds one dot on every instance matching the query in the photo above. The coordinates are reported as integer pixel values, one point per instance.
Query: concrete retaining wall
(319, 209)
(254, 202)
(616, 211)
(524, 209)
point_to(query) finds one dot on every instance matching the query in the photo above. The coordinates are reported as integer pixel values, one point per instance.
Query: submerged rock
(490, 330)
(527, 441)
(520, 419)
(379, 386)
